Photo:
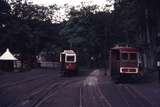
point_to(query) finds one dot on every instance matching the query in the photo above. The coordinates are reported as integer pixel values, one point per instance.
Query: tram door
(115, 62)
(62, 62)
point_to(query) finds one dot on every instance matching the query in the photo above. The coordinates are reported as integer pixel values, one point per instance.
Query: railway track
(105, 101)
(140, 94)
(29, 88)
(42, 94)
(50, 93)
(18, 82)
(12, 78)
(131, 95)
(95, 97)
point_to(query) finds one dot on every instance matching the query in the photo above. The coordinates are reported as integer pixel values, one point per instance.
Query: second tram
(125, 61)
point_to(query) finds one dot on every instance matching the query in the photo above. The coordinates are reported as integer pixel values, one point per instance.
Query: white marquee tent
(8, 56)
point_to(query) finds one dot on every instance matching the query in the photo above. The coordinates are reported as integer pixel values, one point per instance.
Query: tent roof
(7, 56)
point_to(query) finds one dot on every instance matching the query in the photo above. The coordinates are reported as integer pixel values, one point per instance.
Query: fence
(43, 64)
(47, 64)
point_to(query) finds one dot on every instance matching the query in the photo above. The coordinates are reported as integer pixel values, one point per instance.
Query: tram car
(68, 62)
(125, 62)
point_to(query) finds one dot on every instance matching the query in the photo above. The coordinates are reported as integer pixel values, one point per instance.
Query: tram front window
(70, 58)
(124, 56)
(133, 56)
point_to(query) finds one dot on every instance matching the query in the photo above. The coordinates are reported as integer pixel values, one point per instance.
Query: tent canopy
(8, 56)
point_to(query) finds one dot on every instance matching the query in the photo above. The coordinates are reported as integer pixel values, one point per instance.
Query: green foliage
(27, 29)
(127, 20)
(30, 30)
(85, 31)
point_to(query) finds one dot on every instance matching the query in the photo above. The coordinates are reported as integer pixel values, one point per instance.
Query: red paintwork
(126, 49)
(116, 63)
(128, 64)
(129, 49)
(71, 66)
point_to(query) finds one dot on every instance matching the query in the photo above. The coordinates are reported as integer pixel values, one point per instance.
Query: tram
(68, 60)
(125, 61)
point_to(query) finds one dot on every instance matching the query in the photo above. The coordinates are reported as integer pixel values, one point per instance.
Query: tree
(5, 19)
(37, 23)
(138, 19)
(85, 31)
(29, 29)
(127, 19)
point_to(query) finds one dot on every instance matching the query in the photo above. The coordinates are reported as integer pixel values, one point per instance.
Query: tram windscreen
(133, 56)
(70, 58)
(124, 56)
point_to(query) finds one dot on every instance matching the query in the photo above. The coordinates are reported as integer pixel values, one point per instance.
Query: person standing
(158, 68)
(92, 60)
(158, 65)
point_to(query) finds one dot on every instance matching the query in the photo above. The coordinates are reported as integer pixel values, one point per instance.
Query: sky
(61, 13)
(70, 2)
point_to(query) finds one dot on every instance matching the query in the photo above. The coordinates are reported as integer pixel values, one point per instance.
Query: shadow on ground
(149, 77)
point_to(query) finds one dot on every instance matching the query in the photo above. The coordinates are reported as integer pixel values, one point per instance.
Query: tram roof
(127, 49)
(68, 52)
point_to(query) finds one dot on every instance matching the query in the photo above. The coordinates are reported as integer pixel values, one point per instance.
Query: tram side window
(118, 57)
(124, 56)
(70, 58)
(133, 56)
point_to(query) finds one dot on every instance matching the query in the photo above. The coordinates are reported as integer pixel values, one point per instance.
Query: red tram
(68, 61)
(125, 61)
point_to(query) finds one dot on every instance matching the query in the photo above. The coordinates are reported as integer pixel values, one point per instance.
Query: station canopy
(7, 55)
